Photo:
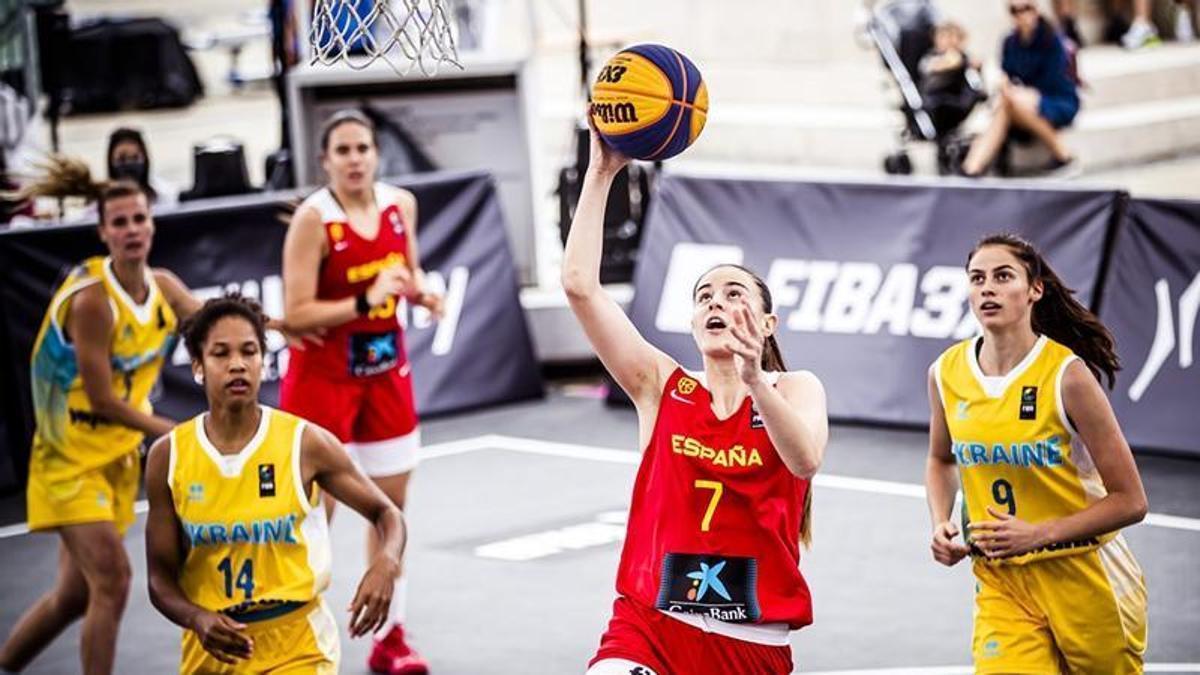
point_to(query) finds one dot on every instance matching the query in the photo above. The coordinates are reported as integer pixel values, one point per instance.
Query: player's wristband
(361, 305)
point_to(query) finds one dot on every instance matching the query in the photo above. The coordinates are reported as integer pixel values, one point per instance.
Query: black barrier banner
(1151, 297)
(479, 353)
(869, 280)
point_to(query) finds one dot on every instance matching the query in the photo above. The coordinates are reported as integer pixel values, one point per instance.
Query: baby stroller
(902, 32)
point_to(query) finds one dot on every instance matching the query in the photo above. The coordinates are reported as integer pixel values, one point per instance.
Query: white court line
(618, 456)
(886, 487)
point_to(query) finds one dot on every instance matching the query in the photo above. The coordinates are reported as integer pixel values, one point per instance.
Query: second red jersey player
(350, 261)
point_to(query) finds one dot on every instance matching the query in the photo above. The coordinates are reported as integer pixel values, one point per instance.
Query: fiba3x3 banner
(868, 280)
(870, 286)
(478, 354)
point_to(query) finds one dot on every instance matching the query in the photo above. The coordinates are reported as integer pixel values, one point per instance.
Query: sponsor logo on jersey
(195, 492)
(708, 578)
(737, 456)
(397, 225)
(281, 530)
(337, 232)
(720, 587)
(266, 480)
(962, 410)
(1040, 454)
(1029, 403)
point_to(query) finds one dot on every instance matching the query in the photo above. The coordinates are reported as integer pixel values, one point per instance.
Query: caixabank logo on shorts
(1165, 342)
(830, 296)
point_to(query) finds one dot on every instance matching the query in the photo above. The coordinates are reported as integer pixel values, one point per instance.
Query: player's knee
(112, 587)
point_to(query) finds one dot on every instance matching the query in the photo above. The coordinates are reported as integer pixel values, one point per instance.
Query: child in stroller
(939, 83)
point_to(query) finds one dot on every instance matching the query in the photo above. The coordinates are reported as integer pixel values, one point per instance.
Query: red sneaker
(391, 655)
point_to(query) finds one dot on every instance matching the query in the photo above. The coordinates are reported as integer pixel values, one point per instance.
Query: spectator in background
(1064, 12)
(944, 84)
(1142, 32)
(128, 159)
(1038, 94)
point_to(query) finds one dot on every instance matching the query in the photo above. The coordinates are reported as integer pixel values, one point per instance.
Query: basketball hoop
(402, 33)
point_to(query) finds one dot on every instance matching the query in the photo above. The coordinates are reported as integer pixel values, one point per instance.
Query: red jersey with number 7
(714, 525)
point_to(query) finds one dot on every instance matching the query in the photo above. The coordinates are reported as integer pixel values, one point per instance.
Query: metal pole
(585, 59)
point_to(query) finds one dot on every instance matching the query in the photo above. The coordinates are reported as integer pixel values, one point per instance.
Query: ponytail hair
(64, 176)
(772, 361)
(1058, 315)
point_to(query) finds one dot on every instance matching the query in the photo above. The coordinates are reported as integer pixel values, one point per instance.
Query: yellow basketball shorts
(103, 494)
(1082, 613)
(302, 642)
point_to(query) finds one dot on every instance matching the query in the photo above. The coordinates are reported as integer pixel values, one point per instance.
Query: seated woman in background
(128, 159)
(1038, 95)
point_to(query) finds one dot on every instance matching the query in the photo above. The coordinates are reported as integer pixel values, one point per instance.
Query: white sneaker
(1140, 34)
(1183, 25)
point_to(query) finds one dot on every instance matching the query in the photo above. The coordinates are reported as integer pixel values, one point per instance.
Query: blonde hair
(64, 177)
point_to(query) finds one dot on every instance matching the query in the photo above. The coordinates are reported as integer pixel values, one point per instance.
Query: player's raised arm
(637, 366)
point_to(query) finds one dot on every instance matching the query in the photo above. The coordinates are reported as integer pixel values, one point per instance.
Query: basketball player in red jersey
(349, 260)
(709, 580)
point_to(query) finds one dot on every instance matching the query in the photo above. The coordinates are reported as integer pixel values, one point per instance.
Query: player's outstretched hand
(369, 610)
(945, 549)
(222, 637)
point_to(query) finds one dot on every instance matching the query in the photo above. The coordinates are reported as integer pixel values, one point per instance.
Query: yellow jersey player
(1020, 419)
(236, 541)
(97, 355)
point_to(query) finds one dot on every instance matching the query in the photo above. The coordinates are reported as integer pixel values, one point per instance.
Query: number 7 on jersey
(718, 489)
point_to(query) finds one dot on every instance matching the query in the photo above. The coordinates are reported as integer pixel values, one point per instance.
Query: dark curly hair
(197, 326)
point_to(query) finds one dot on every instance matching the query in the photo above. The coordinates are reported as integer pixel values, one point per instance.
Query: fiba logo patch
(195, 492)
(266, 480)
(685, 385)
(1028, 403)
(337, 232)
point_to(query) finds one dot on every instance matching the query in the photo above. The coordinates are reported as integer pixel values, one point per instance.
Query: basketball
(649, 102)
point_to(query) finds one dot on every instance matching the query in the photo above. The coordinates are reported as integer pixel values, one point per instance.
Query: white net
(403, 33)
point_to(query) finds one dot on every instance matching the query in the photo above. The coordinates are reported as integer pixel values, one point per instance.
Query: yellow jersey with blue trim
(255, 540)
(1015, 447)
(70, 438)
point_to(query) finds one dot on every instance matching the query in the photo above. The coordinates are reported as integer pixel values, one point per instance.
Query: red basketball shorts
(374, 416)
(647, 642)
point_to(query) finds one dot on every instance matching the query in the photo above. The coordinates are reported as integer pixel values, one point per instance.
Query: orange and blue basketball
(649, 102)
